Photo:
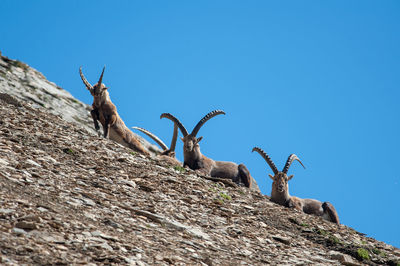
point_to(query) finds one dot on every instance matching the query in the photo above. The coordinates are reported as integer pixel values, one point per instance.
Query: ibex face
(98, 91)
(191, 143)
(191, 148)
(280, 187)
(280, 182)
(100, 94)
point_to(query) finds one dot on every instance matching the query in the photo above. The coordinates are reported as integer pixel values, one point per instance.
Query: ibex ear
(270, 176)
(290, 177)
(199, 139)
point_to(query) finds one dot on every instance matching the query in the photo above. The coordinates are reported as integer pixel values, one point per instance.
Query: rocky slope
(68, 196)
(29, 85)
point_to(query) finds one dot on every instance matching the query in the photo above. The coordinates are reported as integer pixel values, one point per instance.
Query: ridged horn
(176, 121)
(174, 138)
(291, 158)
(205, 119)
(101, 77)
(267, 159)
(154, 137)
(87, 84)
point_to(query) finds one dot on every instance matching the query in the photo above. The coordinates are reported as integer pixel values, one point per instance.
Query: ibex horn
(154, 137)
(101, 78)
(205, 119)
(267, 159)
(289, 161)
(87, 84)
(174, 138)
(176, 121)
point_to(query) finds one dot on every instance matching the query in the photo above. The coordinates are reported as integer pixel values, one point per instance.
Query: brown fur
(239, 174)
(113, 126)
(309, 206)
(195, 160)
(280, 192)
(106, 112)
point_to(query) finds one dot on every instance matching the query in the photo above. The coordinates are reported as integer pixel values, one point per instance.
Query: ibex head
(98, 89)
(191, 142)
(280, 179)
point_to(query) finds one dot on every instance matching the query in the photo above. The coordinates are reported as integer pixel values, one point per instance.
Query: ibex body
(106, 112)
(280, 191)
(168, 154)
(195, 160)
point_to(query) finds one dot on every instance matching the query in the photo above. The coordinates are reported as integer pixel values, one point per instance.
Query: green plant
(321, 231)
(334, 240)
(217, 185)
(376, 251)
(304, 225)
(362, 254)
(132, 153)
(219, 201)
(69, 151)
(180, 169)
(225, 196)
(212, 189)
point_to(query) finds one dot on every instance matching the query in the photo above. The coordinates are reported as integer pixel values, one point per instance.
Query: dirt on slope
(70, 197)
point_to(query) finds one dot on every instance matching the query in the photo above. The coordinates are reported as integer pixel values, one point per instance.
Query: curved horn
(87, 84)
(154, 137)
(267, 159)
(174, 138)
(205, 119)
(176, 121)
(289, 161)
(101, 77)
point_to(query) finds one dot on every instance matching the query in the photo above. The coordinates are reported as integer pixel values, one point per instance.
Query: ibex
(168, 154)
(280, 191)
(106, 112)
(195, 160)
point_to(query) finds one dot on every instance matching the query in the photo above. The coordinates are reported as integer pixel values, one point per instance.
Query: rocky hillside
(68, 196)
(29, 85)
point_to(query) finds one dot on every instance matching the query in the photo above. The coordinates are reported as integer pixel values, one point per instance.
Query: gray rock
(19, 231)
(342, 258)
(26, 225)
(6, 211)
(284, 240)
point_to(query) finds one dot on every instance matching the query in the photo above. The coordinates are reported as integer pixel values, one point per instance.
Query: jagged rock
(284, 240)
(343, 258)
(26, 225)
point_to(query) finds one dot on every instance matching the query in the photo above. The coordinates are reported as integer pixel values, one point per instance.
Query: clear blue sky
(316, 78)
